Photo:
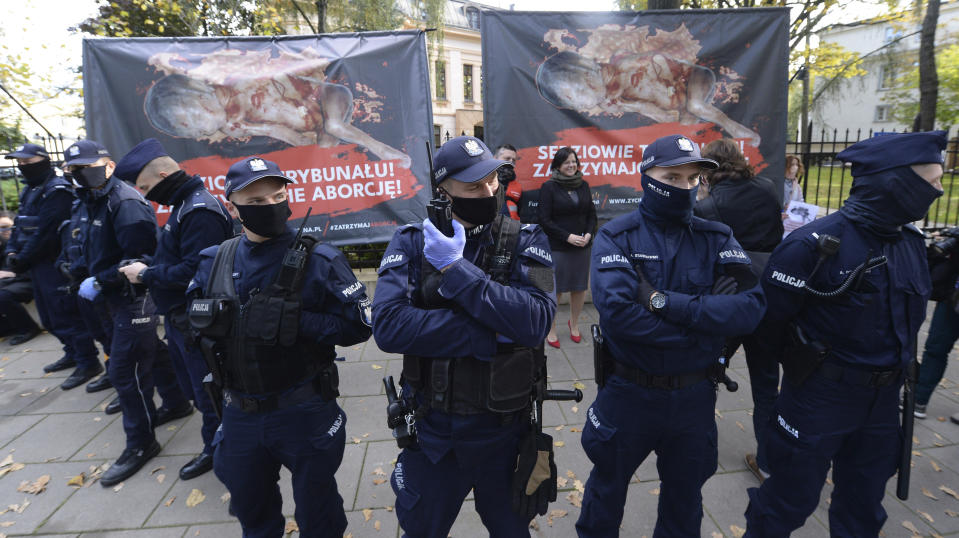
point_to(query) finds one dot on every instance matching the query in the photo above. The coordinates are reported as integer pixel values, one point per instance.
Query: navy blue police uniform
(843, 413)
(197, 220)
(279, 392)
(121, 226)
(94, 313)
(44, 203)
(659, 395)
(457, 330)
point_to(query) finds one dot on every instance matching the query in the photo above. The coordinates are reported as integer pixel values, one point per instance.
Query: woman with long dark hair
(750, 205)
(568, 217)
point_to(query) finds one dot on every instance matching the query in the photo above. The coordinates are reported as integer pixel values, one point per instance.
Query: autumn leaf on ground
(118, 487)
(170, 501)
(160, 478)
(367, 514)
(76, 480)
(558, 513)
(356, 440)
(574, 499)
(225, 498)
(575, 409)
(378, 481)
(575, 430)
(654, 491)
(377, 367)
(737, 531)
(570, 474)
(929, 494)
(949, 491)
(7, 461)
(559, 443)
(195, 497)
(11, 468)
(952, 513)
(912, 528)
(378, 472)
(578, 385)
(389, 508)
(935, 466)
(926, 516)
(740, 424)
(36, 487)
(291, 527)
(715, 534)
(561, 482)
(533, 525)
(376, 524)
(560, 427)
(578, 484)
(718, 414)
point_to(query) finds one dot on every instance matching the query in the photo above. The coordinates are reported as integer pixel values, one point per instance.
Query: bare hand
(7, 274)
(576, 240)
(132, 271)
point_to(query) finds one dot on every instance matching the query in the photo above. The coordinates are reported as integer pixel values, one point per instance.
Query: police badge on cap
(257, 165)
(684, 144)
(472, 148)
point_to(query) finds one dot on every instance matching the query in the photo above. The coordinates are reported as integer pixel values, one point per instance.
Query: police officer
(197, 220)
(669, 288)
(93, 314)
(14, 291)
(468, 328)
(845, 322)
(270, 340)
(121, 226)
(45, 203)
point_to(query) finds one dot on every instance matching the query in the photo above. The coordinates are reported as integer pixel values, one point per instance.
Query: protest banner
(343, 115)
(608, 84)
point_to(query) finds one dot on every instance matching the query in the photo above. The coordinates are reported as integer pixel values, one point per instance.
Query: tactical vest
(265, 355)
(466, 385)
(27, 220)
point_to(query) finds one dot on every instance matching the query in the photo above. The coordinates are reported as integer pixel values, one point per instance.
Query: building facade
(888, 49)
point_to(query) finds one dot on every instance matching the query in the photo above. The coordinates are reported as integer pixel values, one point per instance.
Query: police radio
(440, 208)
(294, 259)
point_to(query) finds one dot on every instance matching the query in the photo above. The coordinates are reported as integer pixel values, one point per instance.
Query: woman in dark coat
(568, 216)
(751, 206)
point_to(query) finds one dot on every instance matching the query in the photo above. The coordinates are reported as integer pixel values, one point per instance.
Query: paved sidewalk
(63, 434)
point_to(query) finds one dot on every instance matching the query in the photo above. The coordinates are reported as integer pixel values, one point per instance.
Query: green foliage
(905, 98)
(363, 15)
(174, 18)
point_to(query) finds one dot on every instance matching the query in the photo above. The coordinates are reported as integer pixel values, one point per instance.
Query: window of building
(887, 76)
(437, 135)
(468, 83)
(440, 67)
(473, 17)
(883, 113)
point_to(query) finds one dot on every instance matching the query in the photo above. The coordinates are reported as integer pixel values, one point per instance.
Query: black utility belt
(662, 382)
(248, 404)
(853, 376)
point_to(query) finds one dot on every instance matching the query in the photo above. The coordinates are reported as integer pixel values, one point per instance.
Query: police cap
(84, 152)
(464, 158)
(886, 151)
(26, 151)
(674, 150)
(244, 172)
(130, 165)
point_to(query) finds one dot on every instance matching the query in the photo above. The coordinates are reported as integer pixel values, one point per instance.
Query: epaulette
(622, 223)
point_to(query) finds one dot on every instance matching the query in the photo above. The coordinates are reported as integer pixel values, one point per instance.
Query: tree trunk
(321, 16)
(928, 78)
(662, 4)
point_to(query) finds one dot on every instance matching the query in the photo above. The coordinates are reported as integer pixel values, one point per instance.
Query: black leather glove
(534, 478)
(725, 285)
(645, 289)
(13, 262)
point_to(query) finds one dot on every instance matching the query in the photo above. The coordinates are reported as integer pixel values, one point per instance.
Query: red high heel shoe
(554, 343)
(572, 336)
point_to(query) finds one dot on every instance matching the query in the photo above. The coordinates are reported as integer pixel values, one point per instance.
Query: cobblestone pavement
(62, 434)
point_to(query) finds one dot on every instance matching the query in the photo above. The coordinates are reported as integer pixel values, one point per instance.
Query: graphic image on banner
(608, 84)
(344, 116)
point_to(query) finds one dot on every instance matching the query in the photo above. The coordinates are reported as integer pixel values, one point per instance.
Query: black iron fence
(827, 181)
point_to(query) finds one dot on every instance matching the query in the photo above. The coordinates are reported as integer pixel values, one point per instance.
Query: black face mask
(265, 220)
(91, 177)
(476, 211)
(162, 193)
(35, 173)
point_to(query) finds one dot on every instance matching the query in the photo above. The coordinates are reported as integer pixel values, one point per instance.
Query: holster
(327, 382)
(602, 362)
(215, 393)
(802, 356)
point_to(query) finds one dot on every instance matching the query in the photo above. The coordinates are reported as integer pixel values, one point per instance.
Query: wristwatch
(657, 301)
(96, 285)
(141, 273)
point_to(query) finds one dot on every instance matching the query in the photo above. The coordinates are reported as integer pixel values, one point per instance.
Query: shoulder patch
(327, 252)
(622, 223)
(612, 260)
(733, 255)
(392, 259)
(540, 254)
